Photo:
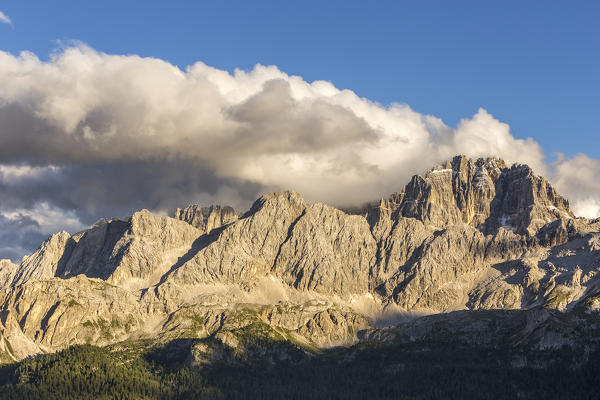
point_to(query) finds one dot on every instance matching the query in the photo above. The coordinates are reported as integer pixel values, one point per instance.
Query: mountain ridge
(469, 234)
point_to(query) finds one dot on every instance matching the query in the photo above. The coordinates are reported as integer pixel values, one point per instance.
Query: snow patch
(503, 224)
(481, 178)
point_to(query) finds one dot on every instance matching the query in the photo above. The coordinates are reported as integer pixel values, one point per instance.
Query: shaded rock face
(469, 234)
(140, 249)
(91, 252)
(206, 218)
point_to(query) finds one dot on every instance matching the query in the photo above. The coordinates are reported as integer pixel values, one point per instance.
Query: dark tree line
(416, 371)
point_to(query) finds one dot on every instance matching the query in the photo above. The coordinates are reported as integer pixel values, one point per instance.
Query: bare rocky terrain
(467, 235)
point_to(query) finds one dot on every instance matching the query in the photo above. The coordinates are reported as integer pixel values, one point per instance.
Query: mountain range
(467, 236)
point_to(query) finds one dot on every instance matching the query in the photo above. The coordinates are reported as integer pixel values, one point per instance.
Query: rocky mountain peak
(284, 199)
(42, 264)
(483, 193)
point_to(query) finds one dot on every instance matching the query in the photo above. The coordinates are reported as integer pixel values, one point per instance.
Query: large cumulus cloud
(89, 135)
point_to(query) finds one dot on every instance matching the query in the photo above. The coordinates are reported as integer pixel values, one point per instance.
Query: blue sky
(534, 65)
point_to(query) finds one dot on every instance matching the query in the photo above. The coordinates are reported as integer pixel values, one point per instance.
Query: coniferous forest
(414, 371)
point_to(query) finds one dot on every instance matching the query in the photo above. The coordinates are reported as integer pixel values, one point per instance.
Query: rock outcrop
(206, 218)
(482, 193)
(7, 272)
(43, 263)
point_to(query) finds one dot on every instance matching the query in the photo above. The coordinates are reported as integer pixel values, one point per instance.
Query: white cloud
(260, 126)
(577, 179)
(4, 18)
(483, 135)
(49, 218)
(588, 207)
(104, 134)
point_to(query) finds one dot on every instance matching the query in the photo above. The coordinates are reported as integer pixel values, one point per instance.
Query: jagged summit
(468, 234)
(482, 193)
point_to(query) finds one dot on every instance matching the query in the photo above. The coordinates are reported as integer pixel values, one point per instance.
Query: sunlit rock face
(468, 234)
(482, 193)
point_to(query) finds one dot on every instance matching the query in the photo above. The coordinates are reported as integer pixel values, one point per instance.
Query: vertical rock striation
(206, 218)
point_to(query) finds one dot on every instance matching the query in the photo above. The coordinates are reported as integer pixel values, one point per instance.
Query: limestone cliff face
(309, 247)
(133, 252)
(149, 247)
(206, 218)
(447, 266)
(59, 312)
(469, 234)
(90, 252)
(7, 272)
(244, 251)
(482, 193)
(327, 251)
(43, 263)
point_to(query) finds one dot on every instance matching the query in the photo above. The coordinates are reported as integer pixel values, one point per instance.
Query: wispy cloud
(4, 18)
